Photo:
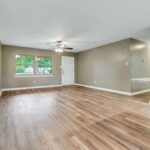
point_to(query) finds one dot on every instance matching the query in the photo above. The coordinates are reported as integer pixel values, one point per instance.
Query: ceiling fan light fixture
(59, 50)
(60, 47)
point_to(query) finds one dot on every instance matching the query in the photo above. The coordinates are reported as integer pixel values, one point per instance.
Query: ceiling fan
(60, 46)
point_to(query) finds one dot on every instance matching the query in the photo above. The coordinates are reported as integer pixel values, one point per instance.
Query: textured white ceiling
(85, 23)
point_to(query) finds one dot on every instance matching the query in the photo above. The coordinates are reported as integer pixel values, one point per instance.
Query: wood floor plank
(73, 118)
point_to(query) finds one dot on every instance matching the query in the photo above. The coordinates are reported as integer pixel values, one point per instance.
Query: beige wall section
(140, 64)
(8, 68)
(106, 67)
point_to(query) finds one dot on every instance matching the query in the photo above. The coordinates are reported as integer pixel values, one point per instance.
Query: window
(43, 65)
(33, 65)
(24, 64)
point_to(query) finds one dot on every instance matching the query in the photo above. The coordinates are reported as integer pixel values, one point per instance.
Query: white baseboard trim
(140, 92)
(93, 87)
(104, 89)
(27, 88)
(115, 91)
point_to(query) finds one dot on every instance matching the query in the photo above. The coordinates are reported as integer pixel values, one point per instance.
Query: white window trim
(32, 75)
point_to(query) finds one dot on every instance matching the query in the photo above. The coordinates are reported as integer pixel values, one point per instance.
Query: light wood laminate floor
(73, 118)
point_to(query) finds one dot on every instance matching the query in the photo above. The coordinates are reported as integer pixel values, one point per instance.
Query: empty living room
(74, 75)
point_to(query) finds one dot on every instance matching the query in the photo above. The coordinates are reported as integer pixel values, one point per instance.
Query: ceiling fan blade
(55, 41)
(69, 48)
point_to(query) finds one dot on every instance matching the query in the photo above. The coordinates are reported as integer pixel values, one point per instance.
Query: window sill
(32, 76)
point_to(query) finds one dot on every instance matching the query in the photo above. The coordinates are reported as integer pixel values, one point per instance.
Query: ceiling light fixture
(59, 47)
(58, 50)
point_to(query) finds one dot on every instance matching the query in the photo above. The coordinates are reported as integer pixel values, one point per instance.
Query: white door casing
(67, 70)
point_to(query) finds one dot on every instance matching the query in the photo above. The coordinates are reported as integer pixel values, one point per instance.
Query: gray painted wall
(106, 66)
(110, 66)
(140, 64)
(0, 68)
(8, 68)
